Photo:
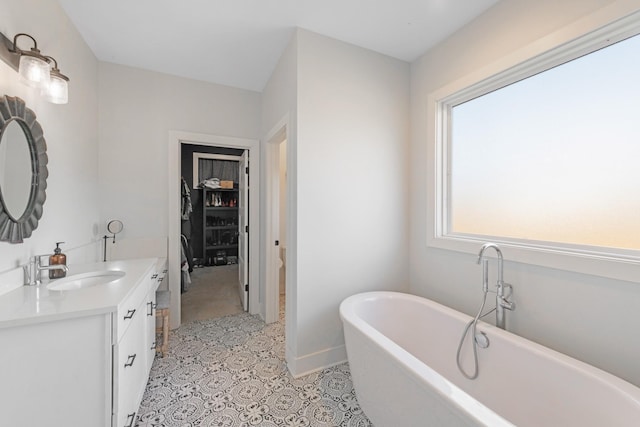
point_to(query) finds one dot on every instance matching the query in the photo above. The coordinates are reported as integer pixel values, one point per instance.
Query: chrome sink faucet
(33, 270)
(502, 301)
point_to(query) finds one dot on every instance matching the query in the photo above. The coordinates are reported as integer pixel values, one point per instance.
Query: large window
(546, 155)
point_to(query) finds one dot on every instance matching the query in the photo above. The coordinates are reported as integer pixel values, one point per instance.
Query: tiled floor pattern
(230, 372)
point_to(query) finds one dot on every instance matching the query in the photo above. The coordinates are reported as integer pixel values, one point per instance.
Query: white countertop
(35, 304)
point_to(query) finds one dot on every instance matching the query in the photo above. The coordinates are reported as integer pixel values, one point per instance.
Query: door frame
(243, 232)
(278, 134)
(176, 139)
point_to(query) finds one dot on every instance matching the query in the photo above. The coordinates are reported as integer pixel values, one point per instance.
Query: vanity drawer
(132, 308)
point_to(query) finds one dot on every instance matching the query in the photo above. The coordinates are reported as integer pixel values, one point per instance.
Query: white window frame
(582, 37)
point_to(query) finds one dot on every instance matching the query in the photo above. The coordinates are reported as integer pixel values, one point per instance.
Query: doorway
(251, 218)
(281, 219)
(214, 268)
(277, 223)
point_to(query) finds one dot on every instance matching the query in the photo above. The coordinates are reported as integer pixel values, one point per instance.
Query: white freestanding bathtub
(402, 355)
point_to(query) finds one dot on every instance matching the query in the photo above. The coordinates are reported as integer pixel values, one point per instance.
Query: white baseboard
(307, 364)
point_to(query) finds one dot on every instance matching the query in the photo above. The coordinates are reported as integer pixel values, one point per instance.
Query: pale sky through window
(554, 157)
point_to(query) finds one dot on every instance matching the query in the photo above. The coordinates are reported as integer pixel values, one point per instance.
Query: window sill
(583, 260)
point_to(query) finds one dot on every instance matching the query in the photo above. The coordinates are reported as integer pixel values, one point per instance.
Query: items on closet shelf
(216, 183)
(213, 183)
(186, 258)
(187, 208)
(185, 277)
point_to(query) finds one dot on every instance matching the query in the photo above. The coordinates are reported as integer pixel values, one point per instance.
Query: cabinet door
(56, 373)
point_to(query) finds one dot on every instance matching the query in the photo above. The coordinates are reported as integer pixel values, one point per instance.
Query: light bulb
(57, 91)
(34, 71)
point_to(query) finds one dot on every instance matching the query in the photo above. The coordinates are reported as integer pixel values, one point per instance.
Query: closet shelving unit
(219, 224)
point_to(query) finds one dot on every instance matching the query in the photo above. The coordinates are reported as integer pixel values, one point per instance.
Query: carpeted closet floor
(213, 293)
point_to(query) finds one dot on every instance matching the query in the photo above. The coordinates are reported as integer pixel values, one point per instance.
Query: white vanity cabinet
(134, 351)
(79, 358)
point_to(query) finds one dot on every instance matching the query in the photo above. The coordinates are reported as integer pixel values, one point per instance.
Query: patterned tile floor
(230, 371)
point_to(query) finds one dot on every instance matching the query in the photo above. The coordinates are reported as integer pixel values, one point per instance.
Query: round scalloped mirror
(23, 170)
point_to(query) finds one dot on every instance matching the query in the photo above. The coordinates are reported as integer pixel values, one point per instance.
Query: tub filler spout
(502, 300)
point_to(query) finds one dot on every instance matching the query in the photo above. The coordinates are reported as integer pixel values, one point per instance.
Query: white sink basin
(85, 280)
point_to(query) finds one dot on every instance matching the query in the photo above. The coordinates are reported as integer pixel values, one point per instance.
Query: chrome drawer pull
(130, 419)
(130, 361)
(154, 276)
(129, 314)
(150, 312)
(154, 345)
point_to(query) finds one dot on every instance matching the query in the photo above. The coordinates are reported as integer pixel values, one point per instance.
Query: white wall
(138, 109)
(71, 131)
(590, 318)
(279, 109)
(352, 187)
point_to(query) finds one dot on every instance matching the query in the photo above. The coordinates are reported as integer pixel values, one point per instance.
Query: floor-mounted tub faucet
(502, 302)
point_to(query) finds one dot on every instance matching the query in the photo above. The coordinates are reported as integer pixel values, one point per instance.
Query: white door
(243, 232)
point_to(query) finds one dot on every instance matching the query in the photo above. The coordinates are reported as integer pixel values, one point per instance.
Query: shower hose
(472, 325)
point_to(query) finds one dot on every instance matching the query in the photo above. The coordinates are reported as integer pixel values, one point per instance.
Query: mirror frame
(11, 229)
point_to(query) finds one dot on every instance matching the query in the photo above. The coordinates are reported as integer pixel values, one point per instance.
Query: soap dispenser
(58, 258)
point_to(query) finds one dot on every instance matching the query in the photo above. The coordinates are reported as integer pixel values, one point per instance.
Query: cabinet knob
(130, 360)
(154, 345)
(130, 419)
(129, 314)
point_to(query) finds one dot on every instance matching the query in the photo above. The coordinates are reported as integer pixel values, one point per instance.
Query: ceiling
(238, 42)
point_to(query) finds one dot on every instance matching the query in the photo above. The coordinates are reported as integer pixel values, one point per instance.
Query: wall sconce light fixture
(35, 69)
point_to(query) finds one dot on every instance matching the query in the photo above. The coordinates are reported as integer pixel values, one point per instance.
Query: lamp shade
(58, 90)
(34, 72)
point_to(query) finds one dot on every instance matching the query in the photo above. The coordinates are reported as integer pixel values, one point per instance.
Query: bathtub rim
(349, 315)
